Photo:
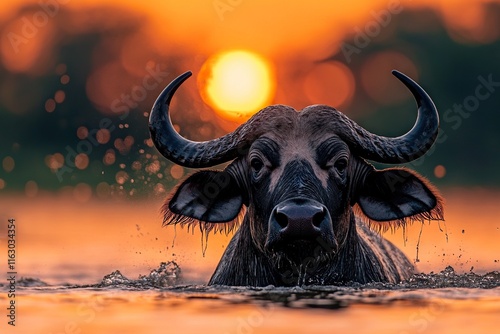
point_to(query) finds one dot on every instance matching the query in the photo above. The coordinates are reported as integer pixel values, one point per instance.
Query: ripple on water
(420, 288)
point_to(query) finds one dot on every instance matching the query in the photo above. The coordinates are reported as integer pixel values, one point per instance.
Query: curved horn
(188, 153)
(193, 154)
(405, 148)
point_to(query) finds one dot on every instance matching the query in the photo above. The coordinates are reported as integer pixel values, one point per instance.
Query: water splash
(164, 283)
(448, 278)
(166, 275)
(113, 279)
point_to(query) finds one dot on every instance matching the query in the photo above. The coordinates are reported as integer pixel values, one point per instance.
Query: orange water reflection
(61, 240)
(84, 311)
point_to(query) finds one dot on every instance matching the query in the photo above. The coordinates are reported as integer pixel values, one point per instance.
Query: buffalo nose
(299, 219)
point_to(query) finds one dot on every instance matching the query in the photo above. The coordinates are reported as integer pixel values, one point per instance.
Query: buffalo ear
(395, 194)
(206, 196)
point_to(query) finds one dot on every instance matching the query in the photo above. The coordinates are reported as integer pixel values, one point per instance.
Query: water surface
(445, 302)
(96, 267)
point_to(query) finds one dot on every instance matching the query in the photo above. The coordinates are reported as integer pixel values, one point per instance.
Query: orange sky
(266, 27)
(295, 34)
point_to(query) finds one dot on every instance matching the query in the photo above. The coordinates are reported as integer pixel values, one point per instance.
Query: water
(109, 267)
(159, 302)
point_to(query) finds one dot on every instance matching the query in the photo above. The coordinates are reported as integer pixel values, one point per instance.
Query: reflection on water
(157, 303)
(89, 311)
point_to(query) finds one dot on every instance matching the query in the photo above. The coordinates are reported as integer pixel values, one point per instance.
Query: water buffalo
(301, 193)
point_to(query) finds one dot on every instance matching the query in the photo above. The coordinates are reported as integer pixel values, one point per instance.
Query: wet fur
(359, 261)
(363, 256)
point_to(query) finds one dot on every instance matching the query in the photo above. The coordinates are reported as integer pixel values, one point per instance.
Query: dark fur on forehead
(322, 117)
(278, 119)
(283, 121)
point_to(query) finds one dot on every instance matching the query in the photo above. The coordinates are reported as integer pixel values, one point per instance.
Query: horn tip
(158, 111)
(399, 74)
(180, 79)
(186, 74)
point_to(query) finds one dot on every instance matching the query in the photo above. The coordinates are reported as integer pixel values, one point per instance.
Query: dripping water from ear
(418, 241)
(175, 236)
(204, 240)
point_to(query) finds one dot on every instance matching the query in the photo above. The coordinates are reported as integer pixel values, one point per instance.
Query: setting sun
(237, 84)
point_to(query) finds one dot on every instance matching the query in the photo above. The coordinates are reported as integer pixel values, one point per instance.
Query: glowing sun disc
(236, 83)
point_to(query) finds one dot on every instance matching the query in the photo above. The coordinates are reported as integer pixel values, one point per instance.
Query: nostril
(298, 219)
(319, 217)
(281, 219)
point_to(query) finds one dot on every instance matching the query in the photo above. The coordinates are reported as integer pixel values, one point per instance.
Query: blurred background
(77, 81)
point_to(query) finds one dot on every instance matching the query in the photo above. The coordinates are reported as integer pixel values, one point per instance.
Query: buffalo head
(300, 176)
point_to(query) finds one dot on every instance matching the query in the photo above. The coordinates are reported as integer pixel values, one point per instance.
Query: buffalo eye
(256, 165)
(340, 165)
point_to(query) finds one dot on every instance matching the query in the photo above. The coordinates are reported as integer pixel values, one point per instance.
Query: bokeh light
(439, 171)
(124, 145)
(176, 171)
(109, 158)
(103, 136)
(159, 189)
(59, 96)
(377, 81)
(64, 79)
(31, 189)
(121, 177)
(18, 55)
(136, 166)
(54, 161)
(50, 105)
(330, 83)
(82, 161)
(153, 167)
(8, 164)
(82, 132)
(82, 192)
